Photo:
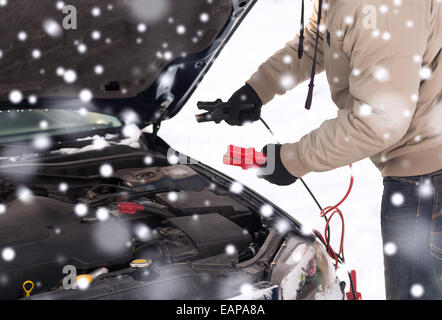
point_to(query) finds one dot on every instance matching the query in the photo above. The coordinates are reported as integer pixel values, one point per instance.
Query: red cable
(333, 210)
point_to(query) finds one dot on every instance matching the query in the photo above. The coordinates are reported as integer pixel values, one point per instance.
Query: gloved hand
(245, 95)
(279, 176)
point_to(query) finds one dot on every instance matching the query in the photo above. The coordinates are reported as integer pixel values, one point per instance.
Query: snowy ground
(270, 24)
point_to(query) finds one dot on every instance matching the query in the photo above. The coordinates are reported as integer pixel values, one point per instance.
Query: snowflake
(230, 249)
(96, 35)
(82, 48)
(106, 170)
(41, 142)
(390, 248)
(417, 290)
(173, 159)
(8, 254)
(172, 196)
(70, 76)
(181, 29)
(287, 82)
(168, 55)
(425, 73)
(24, 194)
(148, 160)
(356, 72)
(348, 20)
(266, 211)
(141, 27)
(36, 54)
(383, 9)
(52, 28)
(287, 59)
(60, 71)
(60, 5)
(15, 96)
(81, 209)
(426, 189)
(365, 110)
(63, 187)
(306, 230)
(32, 99)
(96, 11)
(99, 69)
(236, 187)
(204, 17)
(102, 214)
(386, 36)
(85, 95)
(83, 282)
(246, 289)
(397, 199)
(22, 36)
(99, 143)
(282, 226)
(143, 232)
(131, 131)
(381, 74)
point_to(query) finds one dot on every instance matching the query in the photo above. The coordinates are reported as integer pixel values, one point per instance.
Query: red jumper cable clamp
(129, 207)
(246, 158)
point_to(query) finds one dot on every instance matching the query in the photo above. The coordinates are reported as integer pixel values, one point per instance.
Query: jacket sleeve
(283, 71)
(384, 86)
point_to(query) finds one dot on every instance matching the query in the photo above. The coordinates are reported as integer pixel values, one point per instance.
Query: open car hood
(143, 55)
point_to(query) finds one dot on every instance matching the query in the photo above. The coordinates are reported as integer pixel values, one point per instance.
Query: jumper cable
(248, 158)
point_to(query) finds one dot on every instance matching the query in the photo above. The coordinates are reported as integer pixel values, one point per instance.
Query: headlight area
(303, 271)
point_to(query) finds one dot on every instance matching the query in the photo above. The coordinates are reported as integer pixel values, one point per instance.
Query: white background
(268, 27)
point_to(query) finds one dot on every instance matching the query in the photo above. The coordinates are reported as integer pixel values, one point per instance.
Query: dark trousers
(412, 236)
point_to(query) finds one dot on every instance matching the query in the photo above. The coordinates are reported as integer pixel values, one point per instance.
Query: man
(384, 64)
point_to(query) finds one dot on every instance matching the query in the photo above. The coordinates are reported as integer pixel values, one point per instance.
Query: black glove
(245, 95)
(280, 176)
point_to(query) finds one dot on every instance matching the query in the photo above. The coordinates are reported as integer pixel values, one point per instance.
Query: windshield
(19, 125)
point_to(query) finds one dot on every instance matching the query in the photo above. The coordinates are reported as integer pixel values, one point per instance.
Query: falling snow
(397, 199)
(106, 170)
(236, 188)
(25, 195)
(390, 248)
(8, 254)
(230, 249)
(63, 187)
(52, 28)
(417, 290)
(81, 209)
(266, 211)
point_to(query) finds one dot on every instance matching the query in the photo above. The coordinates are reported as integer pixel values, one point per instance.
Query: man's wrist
(279, 175)
(292, 160)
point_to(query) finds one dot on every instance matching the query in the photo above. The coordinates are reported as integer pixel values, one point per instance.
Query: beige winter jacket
(384, 64)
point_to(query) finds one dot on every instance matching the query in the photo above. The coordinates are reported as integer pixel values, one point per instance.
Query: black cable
(306, 186)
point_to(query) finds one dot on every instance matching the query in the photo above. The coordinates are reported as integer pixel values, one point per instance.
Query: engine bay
(182, 220)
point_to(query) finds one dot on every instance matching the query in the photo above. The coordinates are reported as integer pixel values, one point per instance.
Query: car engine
(182, 217)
